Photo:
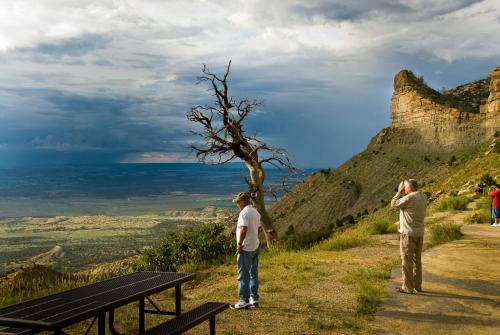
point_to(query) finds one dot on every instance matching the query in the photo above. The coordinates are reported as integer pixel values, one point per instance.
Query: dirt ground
(461, 283)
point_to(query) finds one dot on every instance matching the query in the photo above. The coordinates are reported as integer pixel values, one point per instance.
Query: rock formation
(437, 120)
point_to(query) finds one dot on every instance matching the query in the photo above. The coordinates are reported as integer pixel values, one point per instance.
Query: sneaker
(494, 225)
(402, 290)
(240, 305)
(254, 303)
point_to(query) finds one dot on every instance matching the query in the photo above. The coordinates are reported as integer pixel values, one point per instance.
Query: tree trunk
(257, 177)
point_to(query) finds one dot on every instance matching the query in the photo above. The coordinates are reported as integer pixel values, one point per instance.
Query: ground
(461, 284)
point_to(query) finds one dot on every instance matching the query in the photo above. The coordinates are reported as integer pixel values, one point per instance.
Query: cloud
(117, 77)
(158, 157)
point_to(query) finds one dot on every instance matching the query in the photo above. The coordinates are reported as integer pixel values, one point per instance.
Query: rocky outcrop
(437, 120)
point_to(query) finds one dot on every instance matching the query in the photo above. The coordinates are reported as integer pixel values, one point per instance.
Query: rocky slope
(429, 136)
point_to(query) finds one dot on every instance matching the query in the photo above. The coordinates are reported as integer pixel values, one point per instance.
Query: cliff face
(430, 133)
(441, 120)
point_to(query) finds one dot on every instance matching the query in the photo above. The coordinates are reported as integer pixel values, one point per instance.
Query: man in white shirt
(247, 239)
(411, 226)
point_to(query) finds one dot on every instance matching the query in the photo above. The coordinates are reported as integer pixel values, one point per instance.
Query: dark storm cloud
(117, 82)
(74, 104)
(357, 10)
(72, 47)
(75, 123)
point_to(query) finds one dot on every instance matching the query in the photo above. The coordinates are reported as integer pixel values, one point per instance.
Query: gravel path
(461, 285)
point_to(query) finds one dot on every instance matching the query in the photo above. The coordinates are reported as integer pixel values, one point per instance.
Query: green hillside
(364, 183)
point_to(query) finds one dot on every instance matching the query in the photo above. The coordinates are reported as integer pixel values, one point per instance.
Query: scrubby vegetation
(369, 286)
(442, 232)
(482, 216)
(346, 239)
(487, 179)
(202, 244)
(453, 202)
(382, 226)
(299, 241)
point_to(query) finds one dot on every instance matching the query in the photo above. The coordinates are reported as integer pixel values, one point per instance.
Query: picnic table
(57, 311)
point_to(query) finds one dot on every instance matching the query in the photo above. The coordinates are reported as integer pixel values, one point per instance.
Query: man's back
(412, 213)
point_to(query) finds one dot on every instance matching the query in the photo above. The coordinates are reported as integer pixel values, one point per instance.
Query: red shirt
(496, 198)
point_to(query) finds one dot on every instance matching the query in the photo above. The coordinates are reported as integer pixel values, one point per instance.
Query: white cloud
(158, 157)
(306, 57)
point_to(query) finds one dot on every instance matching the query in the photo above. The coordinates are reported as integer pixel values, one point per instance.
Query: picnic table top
(65, 308)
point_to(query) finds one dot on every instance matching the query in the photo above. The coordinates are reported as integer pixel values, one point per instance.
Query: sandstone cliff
(443, 121)
(430, 133)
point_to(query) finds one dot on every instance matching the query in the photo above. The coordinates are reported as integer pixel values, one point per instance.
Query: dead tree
(224, 140)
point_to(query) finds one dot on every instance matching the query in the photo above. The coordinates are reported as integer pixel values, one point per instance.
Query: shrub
(347, 239)
(442, 232)
(380, 227)
(202, 244)
(487, 179)
(369, 288)
(452, 160)
(483, 203)
(304, 240)
(478, 217)
(453, 203)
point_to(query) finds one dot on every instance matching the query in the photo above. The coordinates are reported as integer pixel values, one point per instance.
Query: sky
(111, 81)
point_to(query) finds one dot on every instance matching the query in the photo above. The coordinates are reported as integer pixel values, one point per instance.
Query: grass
(369, 286)
(481, 216)
(483, 203)
(301, 292)
(346, 239)
(444, 231)
(382, 226)
(453, 203)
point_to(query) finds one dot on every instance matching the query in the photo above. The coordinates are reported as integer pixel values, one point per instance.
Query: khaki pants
(411, 261)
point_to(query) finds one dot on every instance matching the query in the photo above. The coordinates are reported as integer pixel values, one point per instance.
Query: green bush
(369, 288)
(346, 239)
(202, 244)
(304, 240)
(487, 179)
(380, 227)
(453, 203)
(442, 232)
(483, 203)
(478, 217)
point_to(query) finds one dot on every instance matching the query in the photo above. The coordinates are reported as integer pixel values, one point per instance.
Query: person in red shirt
(495, 205)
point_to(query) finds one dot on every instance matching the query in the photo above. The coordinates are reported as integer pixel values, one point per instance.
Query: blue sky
(111, 81)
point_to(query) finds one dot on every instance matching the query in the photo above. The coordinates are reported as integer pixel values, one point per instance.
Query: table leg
(101, 324)
(111, 322)
(178, 300)
(212, 325)
(141, 316)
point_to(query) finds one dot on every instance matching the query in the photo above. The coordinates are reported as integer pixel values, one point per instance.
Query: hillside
(332, 288)
(430, 135)
(335, 286)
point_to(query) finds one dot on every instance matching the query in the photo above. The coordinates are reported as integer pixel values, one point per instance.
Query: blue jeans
(248, 275)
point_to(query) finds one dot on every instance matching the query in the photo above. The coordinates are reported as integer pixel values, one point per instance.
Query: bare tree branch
(224, 139)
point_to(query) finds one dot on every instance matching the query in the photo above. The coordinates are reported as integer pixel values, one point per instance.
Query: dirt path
(461, 285)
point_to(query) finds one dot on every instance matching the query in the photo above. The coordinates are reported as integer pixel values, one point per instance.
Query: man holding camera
(411, 226)
(495, 205)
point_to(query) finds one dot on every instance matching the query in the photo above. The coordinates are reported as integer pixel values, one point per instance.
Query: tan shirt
(411, 212)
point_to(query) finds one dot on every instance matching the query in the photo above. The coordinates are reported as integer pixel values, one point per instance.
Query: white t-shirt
(250, 218)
